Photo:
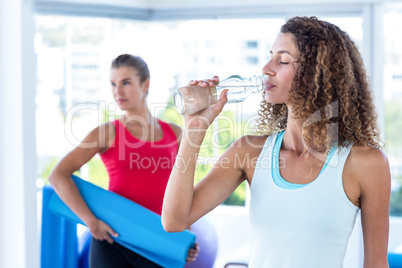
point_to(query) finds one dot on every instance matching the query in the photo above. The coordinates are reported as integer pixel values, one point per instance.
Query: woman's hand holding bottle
(193, 98)
(202, 119)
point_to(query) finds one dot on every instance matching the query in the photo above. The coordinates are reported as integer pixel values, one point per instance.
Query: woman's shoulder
(255, 141)
(102, 130)
(368, 165)
(109, 128)
(367, 156)
(249, 144)
(105, 134)
(176, 129)
(245, 151)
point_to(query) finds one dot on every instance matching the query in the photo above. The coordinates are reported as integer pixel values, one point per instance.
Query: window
(252, 44)
(252, 60)
(393, 102)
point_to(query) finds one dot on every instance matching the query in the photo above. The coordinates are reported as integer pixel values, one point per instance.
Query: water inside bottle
(191, 99)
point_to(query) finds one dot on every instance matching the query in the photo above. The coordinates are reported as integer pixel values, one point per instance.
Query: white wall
(18, 220)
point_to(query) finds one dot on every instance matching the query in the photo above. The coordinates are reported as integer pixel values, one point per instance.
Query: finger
(96, 237)
(195, 248)
(193, 82)
(221, 102)
(192, 253)
(210, 82)
(205, 83)
(202, 83)
(113, 233)
(109, 240)
(191, 258)
(224, 96)
(215, 80)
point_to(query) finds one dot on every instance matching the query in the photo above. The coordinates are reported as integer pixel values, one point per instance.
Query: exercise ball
(207, 240)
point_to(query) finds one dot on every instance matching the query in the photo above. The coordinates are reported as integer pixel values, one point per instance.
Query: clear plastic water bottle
(191, 99)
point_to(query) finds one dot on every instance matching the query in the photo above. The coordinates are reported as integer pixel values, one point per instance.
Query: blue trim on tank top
(276, 175)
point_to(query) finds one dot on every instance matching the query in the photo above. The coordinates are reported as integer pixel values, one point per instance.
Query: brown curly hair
(330, 91)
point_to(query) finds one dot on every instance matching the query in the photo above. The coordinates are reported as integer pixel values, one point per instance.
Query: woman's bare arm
(371, 167)
(65, 187)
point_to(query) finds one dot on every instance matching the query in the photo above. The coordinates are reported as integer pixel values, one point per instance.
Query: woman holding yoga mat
(138, 151)
(316, 164)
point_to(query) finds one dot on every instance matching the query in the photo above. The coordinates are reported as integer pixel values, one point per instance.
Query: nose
(118, 89)
(267, 69)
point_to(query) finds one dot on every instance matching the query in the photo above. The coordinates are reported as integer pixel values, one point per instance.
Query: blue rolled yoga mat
(59, 247)
(139, 229)
(395, 260)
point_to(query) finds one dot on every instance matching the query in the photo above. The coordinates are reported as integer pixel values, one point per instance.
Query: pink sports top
(139, 170)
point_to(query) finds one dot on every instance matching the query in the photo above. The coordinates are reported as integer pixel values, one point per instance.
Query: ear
(145, 85)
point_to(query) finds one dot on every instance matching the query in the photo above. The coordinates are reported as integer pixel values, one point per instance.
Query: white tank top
(306, 227)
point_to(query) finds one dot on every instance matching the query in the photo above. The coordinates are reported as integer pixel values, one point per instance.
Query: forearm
(66, 189)
(179, 193)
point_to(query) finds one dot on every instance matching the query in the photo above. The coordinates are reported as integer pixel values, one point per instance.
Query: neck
(293, 139)
(139, 116)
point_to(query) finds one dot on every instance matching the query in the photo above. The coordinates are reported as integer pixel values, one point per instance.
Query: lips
(120, 100)
(269, 86)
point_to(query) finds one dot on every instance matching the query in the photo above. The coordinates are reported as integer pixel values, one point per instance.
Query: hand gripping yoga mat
(139, 229)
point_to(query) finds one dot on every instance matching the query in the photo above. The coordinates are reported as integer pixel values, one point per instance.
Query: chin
(271, 99)
(274, 101)
(122, 107)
